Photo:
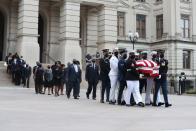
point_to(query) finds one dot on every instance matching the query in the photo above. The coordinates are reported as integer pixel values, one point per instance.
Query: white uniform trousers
(114, 86)
(150, 85)
(158, 97)
(133, 88)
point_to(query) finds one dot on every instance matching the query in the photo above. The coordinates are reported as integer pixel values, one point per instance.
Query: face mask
(106, 55)
(144, 57)
(93, 61)
(132, 56)
(116, 54)
(125, 56)
(136, 58)
(162, 56)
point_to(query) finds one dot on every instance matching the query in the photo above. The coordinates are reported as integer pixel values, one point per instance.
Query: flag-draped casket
(148, 68)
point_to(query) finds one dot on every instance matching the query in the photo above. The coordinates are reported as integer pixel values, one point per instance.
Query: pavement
(22, 110)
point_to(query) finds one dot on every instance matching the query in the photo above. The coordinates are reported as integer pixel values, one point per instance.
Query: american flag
(148, 68)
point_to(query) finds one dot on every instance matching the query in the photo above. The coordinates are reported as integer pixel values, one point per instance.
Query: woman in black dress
(57, 79)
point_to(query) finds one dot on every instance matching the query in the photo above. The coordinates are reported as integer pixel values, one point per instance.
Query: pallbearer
(161, 82)
(143, 80)
(122, 74)
(113, 76)
(132, 79)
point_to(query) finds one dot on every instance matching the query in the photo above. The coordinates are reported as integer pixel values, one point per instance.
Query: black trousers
(75, 86)
(24, 80)
(143, 83)
(92, 85)
(123, 84)
(181, 87)
(17, 78)
(38, 88)
(67, 87)
(28, 81)
(161, 84)
(105, 87)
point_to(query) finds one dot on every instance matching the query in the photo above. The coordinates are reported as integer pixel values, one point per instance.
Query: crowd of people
(55, 77)
(18, 69)
(117, 71)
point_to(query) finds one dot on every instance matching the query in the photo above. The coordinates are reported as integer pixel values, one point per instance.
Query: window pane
(121, 24)
(141, 25)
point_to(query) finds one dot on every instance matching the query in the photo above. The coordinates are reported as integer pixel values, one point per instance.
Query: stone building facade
(49, 30)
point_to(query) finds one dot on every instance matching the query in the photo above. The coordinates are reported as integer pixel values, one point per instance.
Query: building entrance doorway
(2, 24)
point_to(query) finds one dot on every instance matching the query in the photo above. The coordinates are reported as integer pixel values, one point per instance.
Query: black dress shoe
(94, 98)
(154, 104)
(160, 103)
(141, 104)
(76, 98)
(101, 101)
(168, 105)
(123, 103)
(148, 104)
(87, 95)
(133, 104)
(112, 103)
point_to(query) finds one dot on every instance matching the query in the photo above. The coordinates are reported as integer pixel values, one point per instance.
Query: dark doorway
(41, 37)
(2, 24)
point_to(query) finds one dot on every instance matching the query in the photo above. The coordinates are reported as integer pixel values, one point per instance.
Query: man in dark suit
(74, 77)
(104, 71)
(92, 77)
(28, 75)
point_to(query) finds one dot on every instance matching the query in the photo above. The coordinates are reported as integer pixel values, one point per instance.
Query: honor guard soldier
(161, 82)
(104, 72)
(113, 76)
(155, 58)
(132, 79)
(122, 74)
(143, 80)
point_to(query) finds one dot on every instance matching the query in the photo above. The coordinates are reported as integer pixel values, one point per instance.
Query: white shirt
(113, 66)
(76, 67)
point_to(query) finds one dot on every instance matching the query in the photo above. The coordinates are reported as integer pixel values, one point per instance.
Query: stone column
(12, 27)
(69, 31)
(194, 19)
(107, 28)
(171, 18)
(27, 36)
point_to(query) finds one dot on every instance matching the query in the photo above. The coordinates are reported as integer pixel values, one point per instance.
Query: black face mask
(93, 61)
(132, 56)
(125, 56)
(116, 54)
(136, 58)
(106, 55)
(154, 56)
(162, 56)
(144, 57)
